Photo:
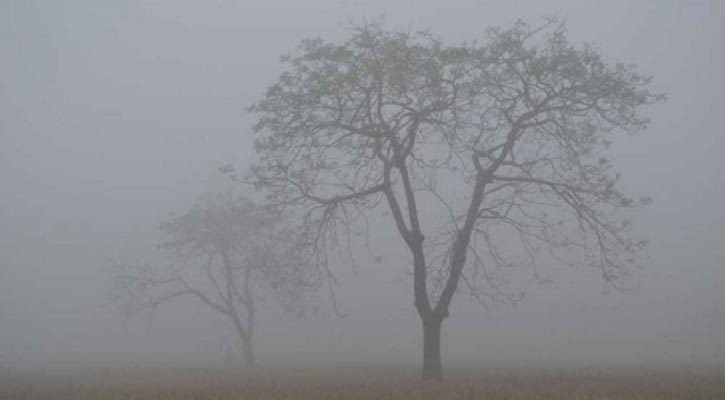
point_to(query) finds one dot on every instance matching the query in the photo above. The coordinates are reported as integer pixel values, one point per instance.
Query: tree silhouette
(222, 252)
(467, 145)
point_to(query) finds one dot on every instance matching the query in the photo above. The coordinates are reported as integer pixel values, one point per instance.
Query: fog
(114, 114)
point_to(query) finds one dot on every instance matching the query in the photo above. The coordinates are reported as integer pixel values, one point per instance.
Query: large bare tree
(482, 152)
(220, 252)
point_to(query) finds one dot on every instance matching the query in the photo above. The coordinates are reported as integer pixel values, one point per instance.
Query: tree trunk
(248, 351)
(246, 338)
(432, 367)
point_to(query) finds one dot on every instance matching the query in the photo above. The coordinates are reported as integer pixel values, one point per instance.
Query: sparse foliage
(469, 146)
(222, 252)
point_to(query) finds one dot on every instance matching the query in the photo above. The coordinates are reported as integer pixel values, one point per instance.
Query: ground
(590, 383)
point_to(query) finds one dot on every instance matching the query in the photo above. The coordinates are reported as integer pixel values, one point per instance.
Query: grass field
(365, 383)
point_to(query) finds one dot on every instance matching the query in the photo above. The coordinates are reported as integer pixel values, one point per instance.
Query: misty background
(113, 114)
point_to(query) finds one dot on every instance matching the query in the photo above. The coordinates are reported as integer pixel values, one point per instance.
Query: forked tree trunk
(432, 367)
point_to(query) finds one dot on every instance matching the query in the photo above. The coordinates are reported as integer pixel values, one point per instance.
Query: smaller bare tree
(224, 252)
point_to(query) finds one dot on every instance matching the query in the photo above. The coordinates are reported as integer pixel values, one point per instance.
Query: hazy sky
(114, 113)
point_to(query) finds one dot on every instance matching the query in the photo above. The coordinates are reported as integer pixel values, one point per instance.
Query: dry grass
(365, 383)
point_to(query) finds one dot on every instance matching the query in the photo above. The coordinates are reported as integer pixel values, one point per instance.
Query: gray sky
(114, 113)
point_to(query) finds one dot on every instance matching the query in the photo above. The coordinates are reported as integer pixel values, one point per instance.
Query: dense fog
(115, 114)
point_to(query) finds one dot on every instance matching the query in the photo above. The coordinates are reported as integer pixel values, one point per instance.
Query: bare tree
(220, 252)
(482, 152)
